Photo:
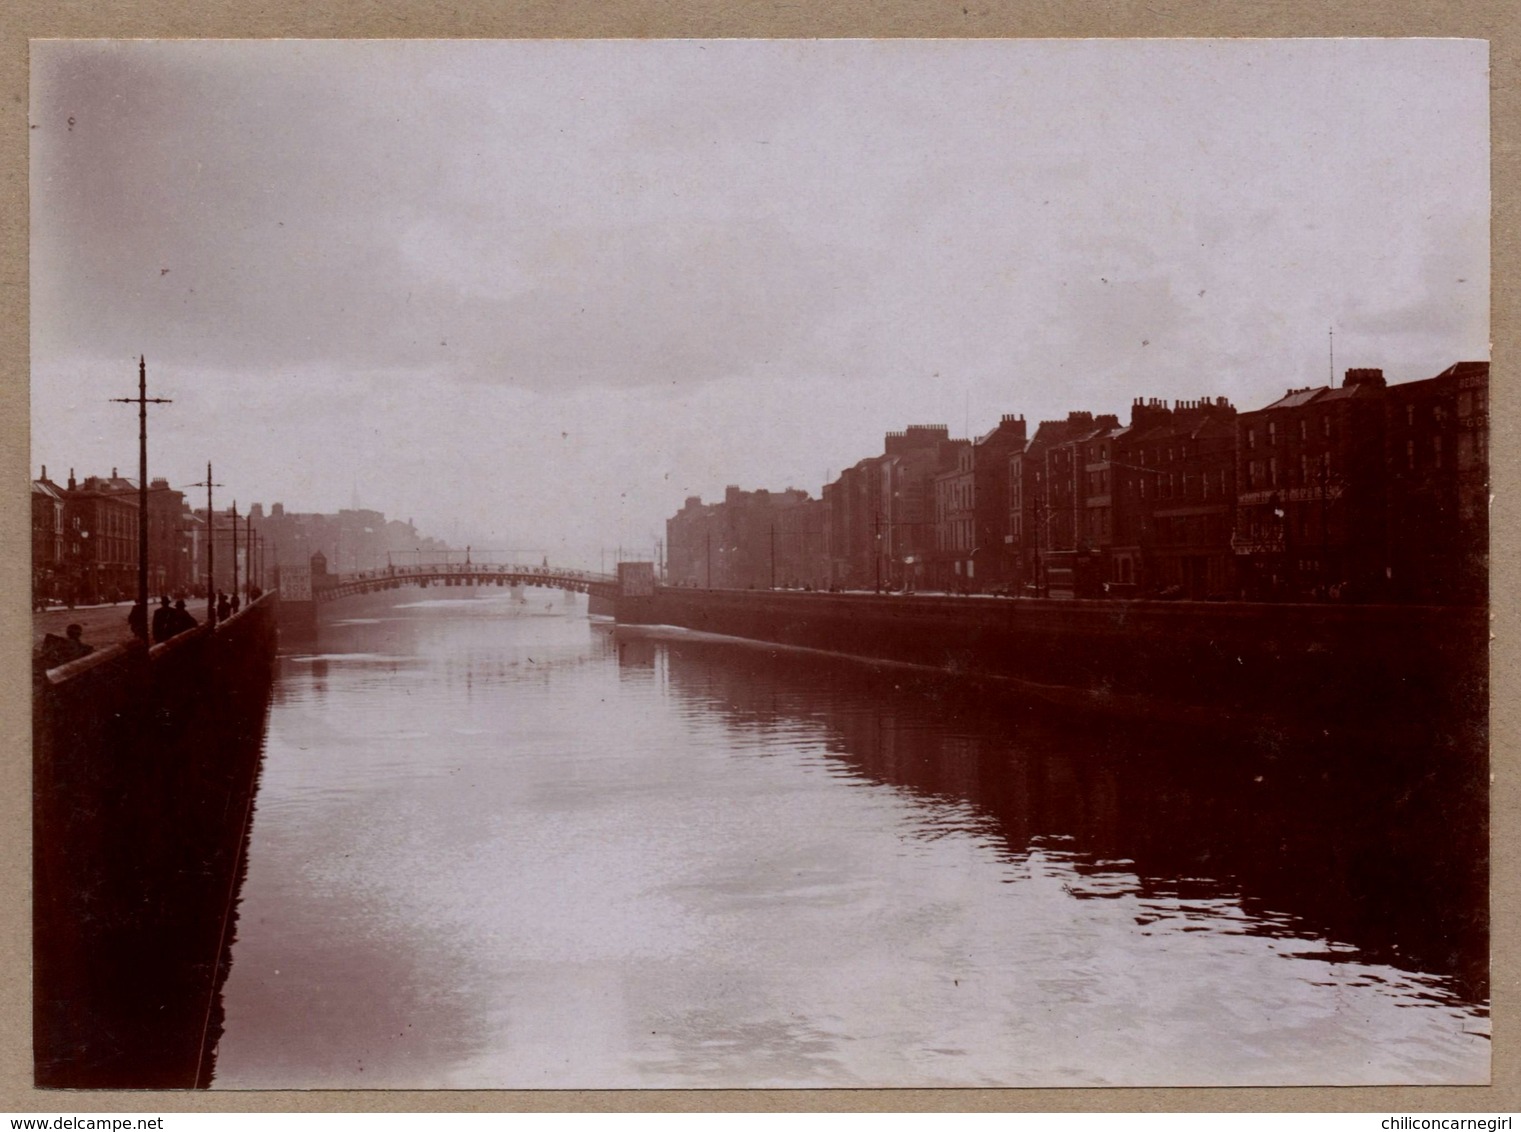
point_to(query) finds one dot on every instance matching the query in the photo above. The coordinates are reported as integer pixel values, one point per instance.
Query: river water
(499, 845)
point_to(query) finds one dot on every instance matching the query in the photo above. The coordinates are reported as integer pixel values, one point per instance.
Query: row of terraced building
(1363, 491)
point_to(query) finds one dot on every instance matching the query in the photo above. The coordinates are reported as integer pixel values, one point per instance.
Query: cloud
(741, 260)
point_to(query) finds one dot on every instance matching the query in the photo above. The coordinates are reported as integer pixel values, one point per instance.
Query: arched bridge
(335, 586)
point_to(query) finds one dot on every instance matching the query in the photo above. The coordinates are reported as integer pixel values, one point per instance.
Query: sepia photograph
(759, 563)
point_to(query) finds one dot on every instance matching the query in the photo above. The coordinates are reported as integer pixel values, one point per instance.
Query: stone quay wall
(1277, 666)
(144, 766)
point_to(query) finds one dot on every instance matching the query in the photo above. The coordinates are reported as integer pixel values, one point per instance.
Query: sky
(536, 293)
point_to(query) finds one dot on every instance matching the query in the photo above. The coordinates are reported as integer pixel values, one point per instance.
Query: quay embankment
(145, 763)
(1281, 668)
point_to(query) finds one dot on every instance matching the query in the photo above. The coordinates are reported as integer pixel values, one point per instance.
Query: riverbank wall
(145, 764)
(1277, 667)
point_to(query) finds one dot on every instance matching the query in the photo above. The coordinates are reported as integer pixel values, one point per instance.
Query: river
(498, 845)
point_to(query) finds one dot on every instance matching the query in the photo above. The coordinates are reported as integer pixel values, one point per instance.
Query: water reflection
(1375, 850)
(500, 847)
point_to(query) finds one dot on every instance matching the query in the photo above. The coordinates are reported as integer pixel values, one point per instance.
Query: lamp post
(876, 547)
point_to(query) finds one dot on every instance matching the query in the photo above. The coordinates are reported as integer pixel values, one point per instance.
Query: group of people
(168, 621)
(172, 621)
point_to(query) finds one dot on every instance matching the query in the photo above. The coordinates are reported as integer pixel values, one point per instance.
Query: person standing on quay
(183, 621)
(224, 606)
(137, 620)
(163, 620)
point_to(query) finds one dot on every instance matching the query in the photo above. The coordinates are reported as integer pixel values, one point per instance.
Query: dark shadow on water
(1377, 853)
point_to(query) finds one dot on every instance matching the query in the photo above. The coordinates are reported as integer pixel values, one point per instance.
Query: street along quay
(1282, 668)
(145, 765)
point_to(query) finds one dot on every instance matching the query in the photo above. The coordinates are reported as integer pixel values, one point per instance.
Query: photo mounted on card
(684, 564)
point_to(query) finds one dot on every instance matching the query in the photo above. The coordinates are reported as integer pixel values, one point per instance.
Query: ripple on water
(650, 866)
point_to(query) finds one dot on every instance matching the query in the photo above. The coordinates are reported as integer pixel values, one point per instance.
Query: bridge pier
(298, 607)
(635, 592)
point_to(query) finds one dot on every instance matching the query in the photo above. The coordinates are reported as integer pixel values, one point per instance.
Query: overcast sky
(540, 292)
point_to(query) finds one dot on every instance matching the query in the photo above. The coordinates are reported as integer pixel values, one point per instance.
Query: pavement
(103, 624)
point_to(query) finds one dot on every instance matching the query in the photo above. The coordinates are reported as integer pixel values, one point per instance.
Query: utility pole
(211, 597)
(877, 546)
(773, 556)
(249, 573)
(142, 401)
(234, 548)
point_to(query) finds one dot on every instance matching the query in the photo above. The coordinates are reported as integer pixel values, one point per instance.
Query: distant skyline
(540, 291)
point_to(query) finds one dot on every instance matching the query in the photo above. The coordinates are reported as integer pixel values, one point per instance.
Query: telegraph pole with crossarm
(211, 592)
(142, 401)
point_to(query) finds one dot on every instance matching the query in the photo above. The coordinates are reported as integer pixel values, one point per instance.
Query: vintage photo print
(742, 563)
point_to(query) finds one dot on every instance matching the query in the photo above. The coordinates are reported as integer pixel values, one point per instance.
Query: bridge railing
(475, 569)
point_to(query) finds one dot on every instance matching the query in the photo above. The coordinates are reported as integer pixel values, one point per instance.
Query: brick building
(100, 541)
(1175, 492)
(1436, 452)
(1362, 492)
(851, 506)
(880, 515)
(955, 522)
(1310, 503)
(1058, 490)
(972, 509)
(349, 540)
(49, 576)
(752, 540)
(906, 528)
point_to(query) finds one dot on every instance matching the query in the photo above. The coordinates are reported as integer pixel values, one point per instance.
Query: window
(1273, 471)
(1304, 429)
(1436, 451)
(1325, 425)
(1465, 403)
(1272, 432)
(1465, 450)
(1251, 438)
(1410, 455)
(1409, 416)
